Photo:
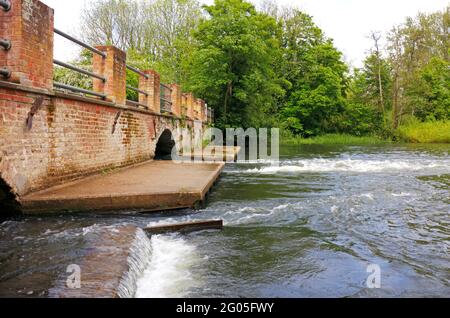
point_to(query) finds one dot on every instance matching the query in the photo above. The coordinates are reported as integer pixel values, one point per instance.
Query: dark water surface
(308, 228)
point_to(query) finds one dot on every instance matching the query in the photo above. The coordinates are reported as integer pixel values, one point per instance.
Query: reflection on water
(308, 228)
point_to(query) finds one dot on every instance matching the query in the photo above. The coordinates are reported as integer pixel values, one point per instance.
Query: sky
(347, 22)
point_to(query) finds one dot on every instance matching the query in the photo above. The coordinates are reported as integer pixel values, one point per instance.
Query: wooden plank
(186, 227)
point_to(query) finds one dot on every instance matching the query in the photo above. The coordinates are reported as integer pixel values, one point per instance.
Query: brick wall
(70, 138)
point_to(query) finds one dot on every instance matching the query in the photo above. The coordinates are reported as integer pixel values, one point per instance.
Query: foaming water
(354, 165)
(138, 260)
(169, 271)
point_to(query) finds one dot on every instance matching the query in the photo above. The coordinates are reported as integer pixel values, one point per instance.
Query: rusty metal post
(5, 72)
(5, 4)
(6, 44)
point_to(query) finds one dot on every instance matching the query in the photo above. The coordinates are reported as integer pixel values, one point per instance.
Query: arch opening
(8, 201)
(164, 146)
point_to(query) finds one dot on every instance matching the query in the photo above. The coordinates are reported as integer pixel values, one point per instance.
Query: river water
(311, 227)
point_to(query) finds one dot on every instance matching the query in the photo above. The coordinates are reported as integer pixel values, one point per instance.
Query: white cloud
(348, 22)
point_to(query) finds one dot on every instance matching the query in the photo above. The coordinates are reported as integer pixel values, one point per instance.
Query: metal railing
(135, 89)
(77, 89)
(136, 104)
(166, 98)
(78, 69)
(131, 68)
(94, 75)
(86, 46)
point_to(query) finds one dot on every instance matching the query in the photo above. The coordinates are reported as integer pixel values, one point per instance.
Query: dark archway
(8, 203)
(164, 146)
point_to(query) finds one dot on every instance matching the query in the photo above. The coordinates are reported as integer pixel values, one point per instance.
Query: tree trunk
(395, 104)
(380, 87)
(228, 93)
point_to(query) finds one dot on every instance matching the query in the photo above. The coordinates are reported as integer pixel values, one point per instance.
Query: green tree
(154, 33)
(414, 48)
(315, 69)
(431, 92)
(233, 64)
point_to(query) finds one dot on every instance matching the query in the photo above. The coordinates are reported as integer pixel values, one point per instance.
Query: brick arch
(8, 199)
(164, 145)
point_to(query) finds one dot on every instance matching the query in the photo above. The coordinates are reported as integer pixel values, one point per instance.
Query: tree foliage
(316, 73)
(233, 64)
(155, 33)
(274, 66)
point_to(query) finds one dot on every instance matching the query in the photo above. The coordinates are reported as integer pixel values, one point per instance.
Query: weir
(126, 250)
(53, 134)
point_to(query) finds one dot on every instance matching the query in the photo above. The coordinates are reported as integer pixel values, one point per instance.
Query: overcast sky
(348, 22)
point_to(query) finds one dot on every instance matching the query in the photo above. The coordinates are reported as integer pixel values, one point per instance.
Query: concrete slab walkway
(152, 186)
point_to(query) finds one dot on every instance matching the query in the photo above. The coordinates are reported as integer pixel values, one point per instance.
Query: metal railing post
(5, 4)
(5, 72)
(6, 44)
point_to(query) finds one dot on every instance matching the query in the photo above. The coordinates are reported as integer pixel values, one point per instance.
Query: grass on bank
(428, 132)
(333, 139)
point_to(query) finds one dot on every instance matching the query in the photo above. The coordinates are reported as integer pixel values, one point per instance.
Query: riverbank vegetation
(335, 139)
(425, 132)
(274, 67)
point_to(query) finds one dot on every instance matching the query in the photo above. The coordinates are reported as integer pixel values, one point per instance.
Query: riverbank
(428, 132)
(437, 132)
(337, 139)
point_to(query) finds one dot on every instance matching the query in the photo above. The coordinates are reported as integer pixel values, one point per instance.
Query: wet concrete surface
(151, 186)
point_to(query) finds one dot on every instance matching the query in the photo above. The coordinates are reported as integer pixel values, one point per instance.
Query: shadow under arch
(164, 146)
(9, 205)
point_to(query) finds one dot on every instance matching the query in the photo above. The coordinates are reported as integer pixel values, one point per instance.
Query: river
(310, 227)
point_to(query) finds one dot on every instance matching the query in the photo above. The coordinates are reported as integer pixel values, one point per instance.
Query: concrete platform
(152, 186)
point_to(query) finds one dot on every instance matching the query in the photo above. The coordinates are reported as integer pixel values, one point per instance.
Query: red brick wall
(29, 26)
(70, 139)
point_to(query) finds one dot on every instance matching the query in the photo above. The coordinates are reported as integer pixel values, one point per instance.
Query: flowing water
(309, 227)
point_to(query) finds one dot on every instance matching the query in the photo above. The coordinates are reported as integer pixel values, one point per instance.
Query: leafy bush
(358, 120)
